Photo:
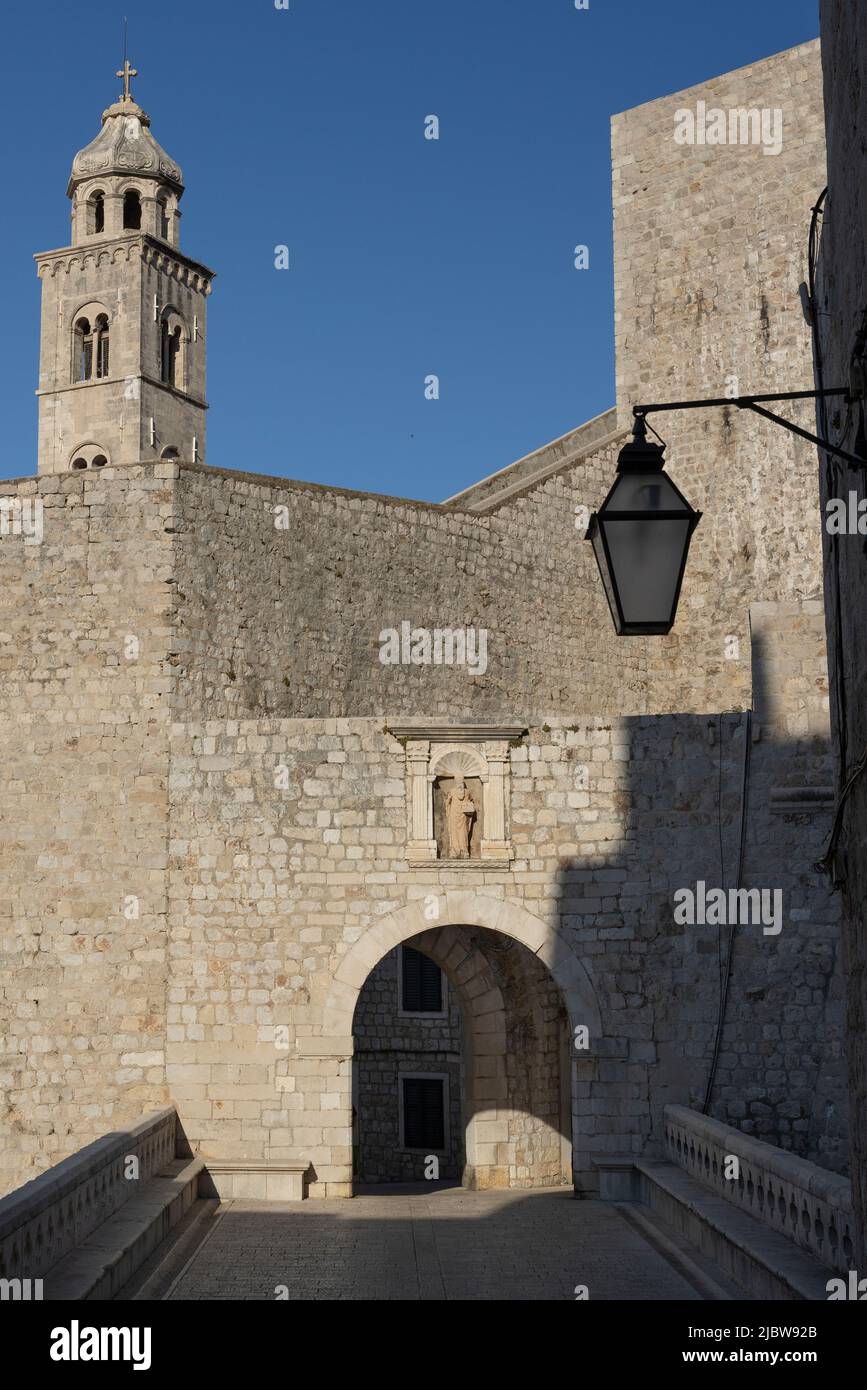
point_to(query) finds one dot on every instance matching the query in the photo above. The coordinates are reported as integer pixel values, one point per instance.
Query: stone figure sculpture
(460, 813)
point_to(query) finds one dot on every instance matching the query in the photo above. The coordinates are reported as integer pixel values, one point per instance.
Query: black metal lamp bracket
(753, 403)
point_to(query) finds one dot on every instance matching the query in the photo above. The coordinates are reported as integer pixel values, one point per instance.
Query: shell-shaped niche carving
(460, 761)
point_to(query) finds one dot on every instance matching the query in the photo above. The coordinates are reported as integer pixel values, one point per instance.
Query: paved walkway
(414, 1243)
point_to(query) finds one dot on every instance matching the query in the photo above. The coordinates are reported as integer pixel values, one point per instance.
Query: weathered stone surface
(206, 818)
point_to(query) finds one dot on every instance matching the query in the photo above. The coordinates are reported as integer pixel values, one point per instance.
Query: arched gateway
(452, 927)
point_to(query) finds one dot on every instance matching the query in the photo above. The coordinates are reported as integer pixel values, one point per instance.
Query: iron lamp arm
(754, 403)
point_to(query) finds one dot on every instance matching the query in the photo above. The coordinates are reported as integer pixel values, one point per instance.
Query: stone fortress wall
(259, 648)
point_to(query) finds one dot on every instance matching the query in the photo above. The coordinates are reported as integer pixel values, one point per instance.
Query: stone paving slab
(447, 1244)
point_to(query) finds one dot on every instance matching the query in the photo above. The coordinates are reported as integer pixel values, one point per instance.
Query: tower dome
(123, 180)
(125, 146)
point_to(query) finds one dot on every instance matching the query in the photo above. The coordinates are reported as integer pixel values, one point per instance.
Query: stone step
(754, 1256)
(111, 1254)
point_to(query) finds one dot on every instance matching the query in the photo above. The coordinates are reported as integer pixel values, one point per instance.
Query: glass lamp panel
(652, 491)
(602, 562)
(646, 561)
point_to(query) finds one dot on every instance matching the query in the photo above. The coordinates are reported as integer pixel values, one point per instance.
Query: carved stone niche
(436, 757)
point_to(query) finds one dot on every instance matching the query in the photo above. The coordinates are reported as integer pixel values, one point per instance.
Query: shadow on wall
(739, 999)
(704, 991)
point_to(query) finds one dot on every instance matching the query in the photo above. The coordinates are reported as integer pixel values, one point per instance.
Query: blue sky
(409, 257)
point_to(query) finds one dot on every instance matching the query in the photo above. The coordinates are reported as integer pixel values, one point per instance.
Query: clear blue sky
(408, 257)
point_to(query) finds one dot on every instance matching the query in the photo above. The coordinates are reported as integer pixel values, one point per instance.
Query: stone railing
(808, 1204)
(46, 1218)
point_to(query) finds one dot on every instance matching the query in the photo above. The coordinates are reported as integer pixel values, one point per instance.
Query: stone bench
(244, 1180)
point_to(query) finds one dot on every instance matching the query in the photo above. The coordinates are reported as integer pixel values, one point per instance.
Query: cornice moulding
(442, 731)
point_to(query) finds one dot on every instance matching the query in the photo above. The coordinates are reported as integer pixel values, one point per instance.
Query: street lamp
(641, 533)
(640, 537)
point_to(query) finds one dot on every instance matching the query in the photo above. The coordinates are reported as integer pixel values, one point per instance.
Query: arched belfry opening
(461, 1065)
(132, 210)
(172, 349)
(96, 213)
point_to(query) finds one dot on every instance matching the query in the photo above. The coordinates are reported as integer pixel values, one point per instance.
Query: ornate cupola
(122, 362)
(123, 180)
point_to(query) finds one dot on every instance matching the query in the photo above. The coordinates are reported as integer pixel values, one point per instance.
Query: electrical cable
(724, 992)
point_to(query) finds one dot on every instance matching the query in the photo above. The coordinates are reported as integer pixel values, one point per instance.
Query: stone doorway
(468, 933)
(476, 1085)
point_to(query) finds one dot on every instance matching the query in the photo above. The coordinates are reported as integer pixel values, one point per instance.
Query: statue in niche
(460, 814)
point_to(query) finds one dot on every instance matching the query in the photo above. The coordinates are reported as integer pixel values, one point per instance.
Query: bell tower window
(96, 214)
(88, 456)
(100, 343)
(163, 218)
(90, 358)
(131, 210)
(172, 352)
(83, 350)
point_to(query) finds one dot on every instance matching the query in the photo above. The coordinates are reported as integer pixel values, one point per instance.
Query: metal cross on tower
(126, 72)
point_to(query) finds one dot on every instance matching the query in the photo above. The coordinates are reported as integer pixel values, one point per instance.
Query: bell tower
(123, 329)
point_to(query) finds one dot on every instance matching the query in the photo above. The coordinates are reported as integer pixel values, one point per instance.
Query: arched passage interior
(494, 1063)
(513, 1001)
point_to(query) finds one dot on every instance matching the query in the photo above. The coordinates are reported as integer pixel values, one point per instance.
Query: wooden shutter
(422, 983)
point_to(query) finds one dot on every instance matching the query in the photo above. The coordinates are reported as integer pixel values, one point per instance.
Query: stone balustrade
(808, 1204)
(46, 1218)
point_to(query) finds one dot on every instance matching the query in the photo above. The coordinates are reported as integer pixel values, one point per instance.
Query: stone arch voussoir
(461, 908)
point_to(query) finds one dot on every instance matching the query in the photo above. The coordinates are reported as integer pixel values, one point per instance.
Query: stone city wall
(260, 641)
(271, 886)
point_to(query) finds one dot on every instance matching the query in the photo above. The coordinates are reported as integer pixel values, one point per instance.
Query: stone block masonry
(204, 819)
(265, 902)
(710, 248)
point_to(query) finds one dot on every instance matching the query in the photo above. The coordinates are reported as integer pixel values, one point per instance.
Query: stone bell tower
(122, 360)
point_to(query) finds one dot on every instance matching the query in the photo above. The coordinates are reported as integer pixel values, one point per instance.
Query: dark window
(422, 983)
(164, 351)
(423, 1117)
(98, 206)
(79, 463)
(170, 355)
(83, 351)
(174, 356)
(163, 211)
(101, 345)
(131, 210)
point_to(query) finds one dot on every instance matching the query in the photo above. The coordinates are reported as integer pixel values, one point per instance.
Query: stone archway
(330, 1042)
(459, 908)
